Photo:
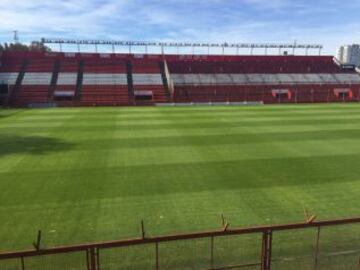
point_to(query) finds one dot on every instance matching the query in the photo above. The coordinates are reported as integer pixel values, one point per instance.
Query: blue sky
(329, 22)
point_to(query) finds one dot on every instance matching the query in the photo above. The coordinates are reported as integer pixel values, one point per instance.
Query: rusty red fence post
(92, 253)
(266, 250)
(22, 263)
(157, 266)
(87, 260)
(317, 248)
(212, 252)
(97, 259)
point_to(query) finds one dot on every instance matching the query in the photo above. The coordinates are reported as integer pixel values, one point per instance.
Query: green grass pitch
(92, 174)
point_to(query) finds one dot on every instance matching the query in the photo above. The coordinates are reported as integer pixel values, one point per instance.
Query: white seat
(67, 78)
(147, 79)
(8, 78)
(104, 79)
(37, 78)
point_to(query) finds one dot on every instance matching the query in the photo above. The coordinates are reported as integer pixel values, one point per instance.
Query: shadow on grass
(5, 112)
(34, 145)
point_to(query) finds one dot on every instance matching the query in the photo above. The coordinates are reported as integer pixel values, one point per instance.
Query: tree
(35, 46)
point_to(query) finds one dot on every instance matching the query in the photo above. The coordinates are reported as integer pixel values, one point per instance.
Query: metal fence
(315, 245)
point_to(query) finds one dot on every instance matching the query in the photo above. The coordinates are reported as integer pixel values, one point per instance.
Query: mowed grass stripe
(98, 113)
(89, 160)
(186, 179)
(50, 157)
(198, 115)
(153, 113)
(174, 133)
(221, 123)
(39, 144)
(217, 139)
(236, 116)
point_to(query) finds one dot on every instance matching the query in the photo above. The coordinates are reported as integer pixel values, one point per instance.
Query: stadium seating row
(300, 94)
(264, 65)
(263, 79)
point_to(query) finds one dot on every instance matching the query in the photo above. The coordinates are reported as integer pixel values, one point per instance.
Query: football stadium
(140, 160)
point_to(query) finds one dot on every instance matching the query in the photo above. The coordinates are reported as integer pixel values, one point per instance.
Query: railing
(316, 245)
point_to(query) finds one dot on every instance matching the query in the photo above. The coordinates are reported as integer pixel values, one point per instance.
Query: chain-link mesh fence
(126, 258)
(330, 245)
(339, 247)
(238, 250)
(294, 249)
(13, 264)
(64, 261)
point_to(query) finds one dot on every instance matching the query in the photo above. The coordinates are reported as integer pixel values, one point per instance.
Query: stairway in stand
(148, 78)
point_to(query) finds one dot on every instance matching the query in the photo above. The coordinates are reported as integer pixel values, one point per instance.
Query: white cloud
(201, 20)
(266, 4)
(80, 16)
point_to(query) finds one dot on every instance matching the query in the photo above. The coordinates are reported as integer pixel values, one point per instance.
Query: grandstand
(95, 79)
